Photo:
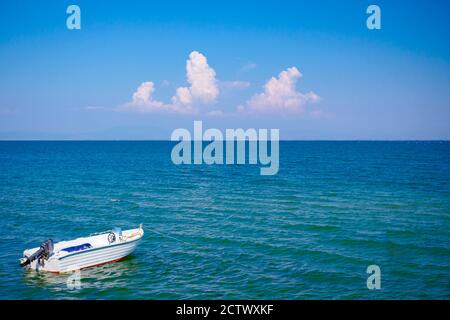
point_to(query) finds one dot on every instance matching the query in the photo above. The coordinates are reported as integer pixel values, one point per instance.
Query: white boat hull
(97, 257)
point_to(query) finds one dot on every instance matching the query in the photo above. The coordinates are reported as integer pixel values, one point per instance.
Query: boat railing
(99, 233)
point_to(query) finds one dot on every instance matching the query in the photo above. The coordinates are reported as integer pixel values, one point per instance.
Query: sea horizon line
(168, 140)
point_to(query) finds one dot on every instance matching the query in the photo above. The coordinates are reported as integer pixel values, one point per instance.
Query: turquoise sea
(226, 231)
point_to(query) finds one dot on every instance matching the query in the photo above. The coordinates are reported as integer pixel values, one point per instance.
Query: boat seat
(83, 246)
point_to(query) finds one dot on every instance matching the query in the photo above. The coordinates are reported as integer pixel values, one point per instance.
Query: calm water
(227, 232)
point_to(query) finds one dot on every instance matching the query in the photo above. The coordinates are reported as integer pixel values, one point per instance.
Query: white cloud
(235, 84)
(280, 95)
(203, 89)
(143, 94)
(249, 66)
(94, 108)
(183, 96)
(216, 113)
(142, 100)
(202, 80)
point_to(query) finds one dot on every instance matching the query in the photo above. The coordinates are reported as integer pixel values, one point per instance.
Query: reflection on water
(108, 276)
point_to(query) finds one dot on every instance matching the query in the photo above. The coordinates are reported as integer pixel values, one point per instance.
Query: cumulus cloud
(280, 95)
(202, 79)
(182, 96)
(203, 89)
(142, 100)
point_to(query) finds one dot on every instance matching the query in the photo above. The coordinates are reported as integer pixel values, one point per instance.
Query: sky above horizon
(141, 69)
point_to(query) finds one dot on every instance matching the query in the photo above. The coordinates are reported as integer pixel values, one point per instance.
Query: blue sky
(348, 83)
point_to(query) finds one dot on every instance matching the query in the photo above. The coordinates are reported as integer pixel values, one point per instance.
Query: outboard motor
(44, 252)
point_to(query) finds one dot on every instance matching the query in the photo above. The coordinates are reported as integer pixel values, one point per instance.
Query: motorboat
(96, 249)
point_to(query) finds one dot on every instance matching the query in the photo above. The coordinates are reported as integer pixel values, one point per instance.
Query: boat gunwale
(97, 248)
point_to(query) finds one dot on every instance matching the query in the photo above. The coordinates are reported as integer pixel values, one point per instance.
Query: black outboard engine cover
(48, 248)
(44, 252)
